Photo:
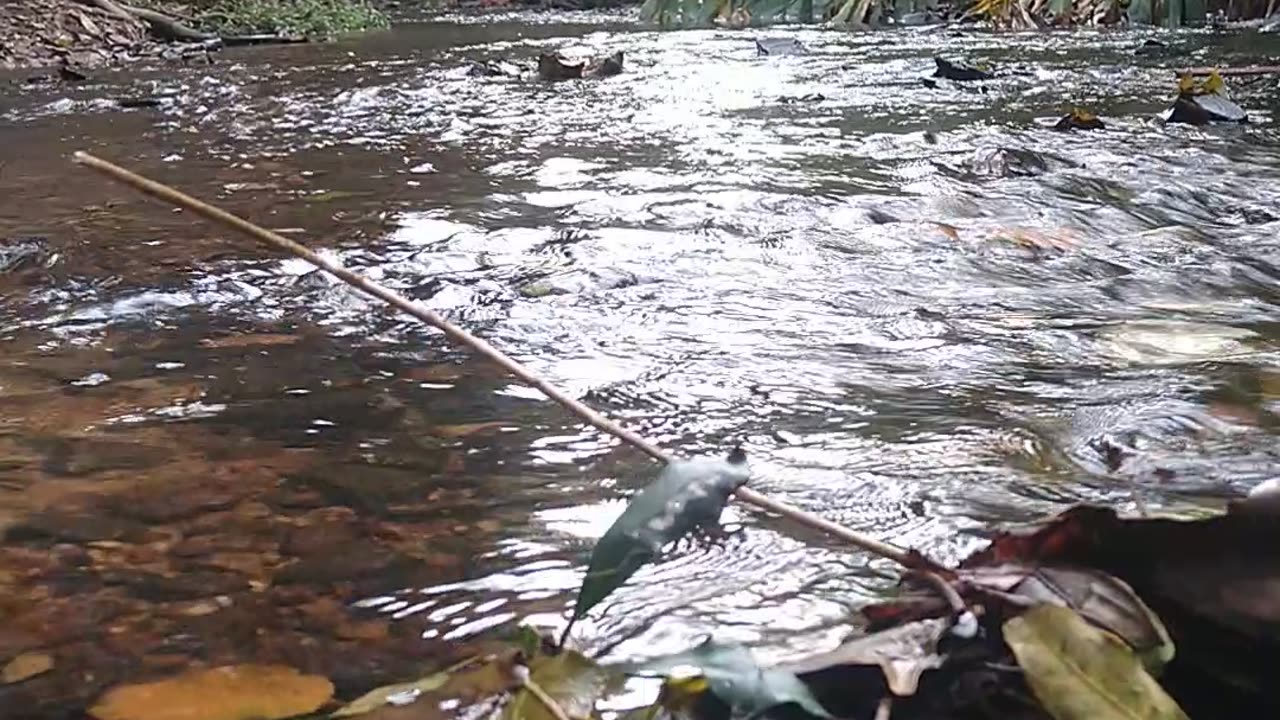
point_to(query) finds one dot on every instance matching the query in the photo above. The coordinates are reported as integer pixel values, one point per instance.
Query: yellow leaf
(1079, 672)
(26, 665)
(234, 692)
(1214, 84)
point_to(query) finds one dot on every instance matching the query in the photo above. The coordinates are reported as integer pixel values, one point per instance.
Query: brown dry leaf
(464, 430)
(435, 373)
(250, 340)
(26, 665)
(950, 231)
(1036, 240)
(234, 692)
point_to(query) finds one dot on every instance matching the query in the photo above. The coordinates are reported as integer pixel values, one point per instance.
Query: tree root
(167, 28)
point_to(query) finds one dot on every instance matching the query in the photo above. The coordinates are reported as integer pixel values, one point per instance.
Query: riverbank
(83, 34)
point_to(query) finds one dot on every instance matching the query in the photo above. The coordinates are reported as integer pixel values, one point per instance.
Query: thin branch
(547, 701)
(1230, 71)
(884, 708)
(944, 589)
(369, 287)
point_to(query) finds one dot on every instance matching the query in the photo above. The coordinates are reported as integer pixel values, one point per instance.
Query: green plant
(311, 18)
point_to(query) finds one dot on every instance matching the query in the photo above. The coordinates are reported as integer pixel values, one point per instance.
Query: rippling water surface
(923, 310)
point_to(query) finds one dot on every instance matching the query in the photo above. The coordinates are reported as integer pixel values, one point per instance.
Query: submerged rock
(1079, 120)
(1008, 162)
(23, 252)
(553, 68)
(960, 73)
(780, 46)
(605, 67)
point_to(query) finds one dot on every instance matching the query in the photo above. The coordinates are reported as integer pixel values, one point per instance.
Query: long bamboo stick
(369, 287)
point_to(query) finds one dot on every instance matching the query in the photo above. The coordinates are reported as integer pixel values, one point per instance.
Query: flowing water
(923, 311)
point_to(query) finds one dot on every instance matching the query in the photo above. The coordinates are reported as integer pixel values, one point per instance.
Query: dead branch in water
(168, 28)
(1229, 71)
(161, 24)
(394, 299)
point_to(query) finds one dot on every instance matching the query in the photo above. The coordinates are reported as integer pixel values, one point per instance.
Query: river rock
(605, 67)
(24, 252)
(1079, 120)
(553, 68)
(1204, 109)
(780, 46)
(185, 586)
(960, 73)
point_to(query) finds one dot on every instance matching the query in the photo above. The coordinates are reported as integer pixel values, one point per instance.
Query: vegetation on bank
(300, 18)
(310, 18)
(1015, 14)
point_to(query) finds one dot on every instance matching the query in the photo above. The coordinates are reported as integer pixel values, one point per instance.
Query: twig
(547, 701)
(1229, 71)
(367, 286)
(944, 589)
(884, 708)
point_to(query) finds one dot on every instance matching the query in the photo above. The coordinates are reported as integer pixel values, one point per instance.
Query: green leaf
(379, 697)
(687, 495)
(736, 679)
(468, 681)
(1078, 672)
(574, 681)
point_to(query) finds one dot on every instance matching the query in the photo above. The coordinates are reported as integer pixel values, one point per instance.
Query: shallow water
(916, 331)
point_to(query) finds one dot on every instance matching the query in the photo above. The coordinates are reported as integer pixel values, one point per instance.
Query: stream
(923, 312)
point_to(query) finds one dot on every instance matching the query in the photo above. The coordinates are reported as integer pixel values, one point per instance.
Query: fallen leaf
(464, 430)
(574, 681)
(397, 694)
(26, 665)
(903, 654)
(1078, 672)
(464, 683)
(250, 340)
(234, 692)
(735, 678)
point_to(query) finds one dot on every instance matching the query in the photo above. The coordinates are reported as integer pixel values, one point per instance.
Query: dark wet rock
(780, 46)
(186, 586)
(1079, 120)
(553, 68)
(1150, 47)
(579, 281)
(141, 102)
(14, 641)
(1011, 162)
(880, 217)
(960, 73)
(811, 97)
(605, 67)
(201, 545)
(1204, 109)
(75, 456)
(162, 502)
(77, 526)
(357, 559)
(493, 69)
(323, 537)
(23, 253)
(929, 83)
